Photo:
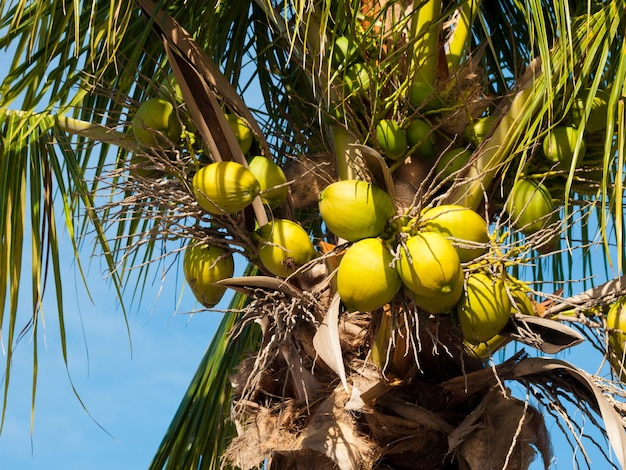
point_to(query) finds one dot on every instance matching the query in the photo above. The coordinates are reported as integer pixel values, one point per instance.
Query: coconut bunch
(386, 226)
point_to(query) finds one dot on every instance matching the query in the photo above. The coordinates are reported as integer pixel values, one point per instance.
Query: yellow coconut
(616, 325)
(284, 246)
(366, 279)
(429, 266)
(242, 132)
(441, 303)
(224, 187)
(155, 122)
(202, 266)
(465, 229)
(484, 308)
(354, 209)
(518, 292)
(272, 180)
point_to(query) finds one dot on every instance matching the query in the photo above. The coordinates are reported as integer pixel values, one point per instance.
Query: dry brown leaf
(174, 33)
(332, 432)
(377, 168)
(248, 284)
(547, 335)
(326, 341)
(540, 366)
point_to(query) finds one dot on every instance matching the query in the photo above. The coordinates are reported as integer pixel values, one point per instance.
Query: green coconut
(391, 138)
(204, 265)
(420, 136)
(272, 180)
(529, 206)
(366, 279)
(355, 209)
(155, 122)
(356, 79)
(224, 187)
(559, 145)
(423, 97)
(477, 130)
(452, 161)
(596, 120)
(465, 228)
(430, 267)
(284, 246)
(484, 308)
(343, 52)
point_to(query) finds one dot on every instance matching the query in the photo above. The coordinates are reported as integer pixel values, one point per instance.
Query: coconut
(596, 120)
(242, 132)
(224, 187)
(155, 122)
(391, 138)
(420, 135)
(143, 167)
(464, 227)
(616, 325)
(479, 129)
(366, 279)
(529, 206)
(452, 161)
(202, 266)
(284, 246)
(559, 144)
(423, 97)
(429, 266)
(354, 209)
(343, 52)
(441, 303)
(484, 308)
(518, 292)
(356, 79)
(272, 180)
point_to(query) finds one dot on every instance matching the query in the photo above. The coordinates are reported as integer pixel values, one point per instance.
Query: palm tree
(318, 364)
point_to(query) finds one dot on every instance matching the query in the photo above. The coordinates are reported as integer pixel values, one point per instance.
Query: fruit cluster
(437, 256)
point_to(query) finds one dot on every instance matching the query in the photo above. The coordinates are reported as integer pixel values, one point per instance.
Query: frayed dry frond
(502, 432)
(288, 325)
(327, 433)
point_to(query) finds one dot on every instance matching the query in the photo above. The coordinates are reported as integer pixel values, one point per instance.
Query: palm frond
(201, 428)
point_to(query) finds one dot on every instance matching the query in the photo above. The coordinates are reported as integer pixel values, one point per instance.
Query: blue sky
(132, 396)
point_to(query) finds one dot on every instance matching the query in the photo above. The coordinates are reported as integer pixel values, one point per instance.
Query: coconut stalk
(496, 149)
(97, 133)
(345, 152)
(461, 35)
(425, 30)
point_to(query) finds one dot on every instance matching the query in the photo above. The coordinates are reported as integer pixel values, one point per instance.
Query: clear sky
(129, 399)
(132, 397)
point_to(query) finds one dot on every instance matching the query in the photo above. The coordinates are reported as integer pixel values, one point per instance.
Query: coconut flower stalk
(461, 36)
